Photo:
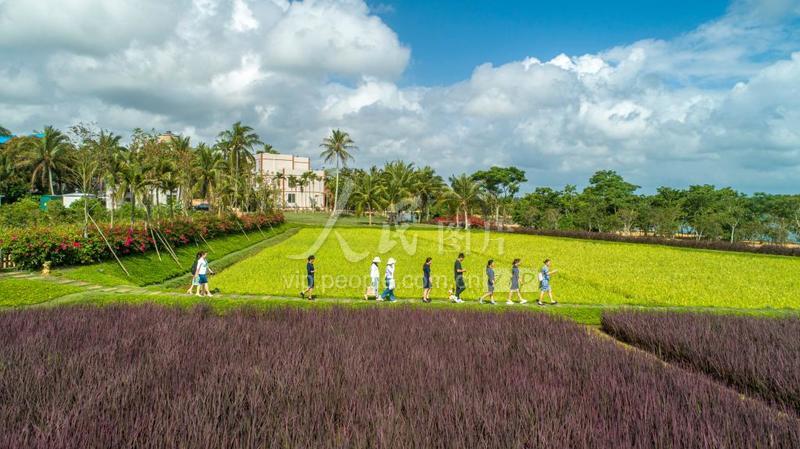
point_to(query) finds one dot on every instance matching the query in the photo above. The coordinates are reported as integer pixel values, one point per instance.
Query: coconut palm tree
(429, 186)
(84, 168)
(183, 155)
(267, 149)
(107, 147)
(337, 148)
(208, 164)
(237, 144)
(466, 193)
(46, 154)
(399, 182)
(135, 179)
(368, 193)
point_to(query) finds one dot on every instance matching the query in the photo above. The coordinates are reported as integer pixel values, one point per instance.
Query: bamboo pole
(169, 248)
(155, 244)
(206, 242)
(240, 227)
(109, 246)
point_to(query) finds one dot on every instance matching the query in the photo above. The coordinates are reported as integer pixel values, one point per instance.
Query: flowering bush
(66, 245)
(474, 221)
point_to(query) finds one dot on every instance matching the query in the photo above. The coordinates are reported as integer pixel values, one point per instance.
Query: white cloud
(719, 104)
(242, 18)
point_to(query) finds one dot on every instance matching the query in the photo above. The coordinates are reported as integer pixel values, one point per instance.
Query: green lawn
(590, 272)
(24, 292)
(147, 269)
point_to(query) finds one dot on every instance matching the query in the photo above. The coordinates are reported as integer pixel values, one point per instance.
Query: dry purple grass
(757, 356)
(387, 378)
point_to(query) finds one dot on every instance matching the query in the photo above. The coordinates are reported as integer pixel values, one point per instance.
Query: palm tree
(237, 144)
(84, 168)
(208, 165)
(46, 154)
(399, 182)
(267, 149)
(135, 177)
(183, 155)
(107, 146)
(337, 148)
(368, 193)
(466, 192)
(428, 188)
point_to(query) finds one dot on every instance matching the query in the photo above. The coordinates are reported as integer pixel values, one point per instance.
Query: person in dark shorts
(426, 280)
(309, 291)
(458, 272)
(489, 283)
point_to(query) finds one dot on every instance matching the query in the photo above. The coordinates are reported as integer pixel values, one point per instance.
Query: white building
(292, 176)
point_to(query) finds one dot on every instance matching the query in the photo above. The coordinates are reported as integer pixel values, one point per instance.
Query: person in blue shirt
(515, 284)
(458, 272)
(489, 283)
(426, 280)
(544, 282)
(309, 279)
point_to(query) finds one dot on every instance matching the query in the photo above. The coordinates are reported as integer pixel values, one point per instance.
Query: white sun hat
(376, 259)
(390, 261)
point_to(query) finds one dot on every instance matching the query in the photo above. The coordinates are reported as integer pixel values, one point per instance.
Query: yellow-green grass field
(25, 292)
(589, 272)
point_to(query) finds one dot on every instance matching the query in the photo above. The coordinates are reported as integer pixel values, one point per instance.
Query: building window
(290, 198)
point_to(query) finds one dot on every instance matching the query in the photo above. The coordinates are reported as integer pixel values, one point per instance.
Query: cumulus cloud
(718, 104)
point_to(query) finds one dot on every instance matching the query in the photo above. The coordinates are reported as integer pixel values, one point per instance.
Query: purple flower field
(757, 356)
(152, 377)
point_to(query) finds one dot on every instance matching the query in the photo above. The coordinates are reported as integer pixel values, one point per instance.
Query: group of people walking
(459, 272)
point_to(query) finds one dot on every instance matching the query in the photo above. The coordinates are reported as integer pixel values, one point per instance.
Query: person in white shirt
(375, 278)
(202, 273)
(388, 293)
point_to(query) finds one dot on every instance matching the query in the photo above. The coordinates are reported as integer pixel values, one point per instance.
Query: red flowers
(64, 245)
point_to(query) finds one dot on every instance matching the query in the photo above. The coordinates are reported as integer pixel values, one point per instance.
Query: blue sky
(449, 38)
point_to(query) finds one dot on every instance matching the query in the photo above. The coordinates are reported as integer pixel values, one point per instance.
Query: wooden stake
(155, 244)
(109, 246)
(240, 227)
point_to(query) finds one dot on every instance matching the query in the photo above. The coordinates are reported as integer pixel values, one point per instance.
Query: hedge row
(30, 248)
(717, 245)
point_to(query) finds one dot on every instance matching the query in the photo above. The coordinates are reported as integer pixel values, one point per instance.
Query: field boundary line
(599, 332)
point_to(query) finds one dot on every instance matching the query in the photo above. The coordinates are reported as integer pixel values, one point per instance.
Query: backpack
(541, 276)
(194, 267)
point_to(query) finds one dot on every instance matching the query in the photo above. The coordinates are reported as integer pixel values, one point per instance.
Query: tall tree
(85, 170)
(428, 188)
(46, 155)
(399, 182)
(501, 183)
(237, 144)
(209, 164)
(337, 147)
(267, 149)
(369, 194)
(466, 192)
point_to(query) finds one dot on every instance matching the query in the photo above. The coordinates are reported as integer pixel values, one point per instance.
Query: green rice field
(589, 272)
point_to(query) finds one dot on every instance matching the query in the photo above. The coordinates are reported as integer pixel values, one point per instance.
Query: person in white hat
(375, 279)
(390, 284)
